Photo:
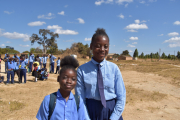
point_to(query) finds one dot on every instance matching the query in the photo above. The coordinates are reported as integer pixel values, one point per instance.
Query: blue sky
(148, 25)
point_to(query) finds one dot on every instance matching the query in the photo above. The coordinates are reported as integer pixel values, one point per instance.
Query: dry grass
(133, 95)
(165, 68)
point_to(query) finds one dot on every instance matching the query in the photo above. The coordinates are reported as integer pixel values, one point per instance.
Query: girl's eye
(74, 79)
(106, 46)
(65, 77)
(98, 46)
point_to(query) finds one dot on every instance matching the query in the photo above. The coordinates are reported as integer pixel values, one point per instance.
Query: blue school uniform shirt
(31, 58)
(10, 65)
(45, 60)
(87, 86)
(43, 77)
(16, 65)
(52, 59)
(63, 110)
(23, 64)
(17, 57)
(27, 60)
(58, 62)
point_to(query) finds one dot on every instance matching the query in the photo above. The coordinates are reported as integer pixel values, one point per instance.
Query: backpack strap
(52, 103)
(77, 99)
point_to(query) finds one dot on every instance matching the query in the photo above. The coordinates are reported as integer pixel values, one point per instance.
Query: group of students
(100, 93)
(19, 65)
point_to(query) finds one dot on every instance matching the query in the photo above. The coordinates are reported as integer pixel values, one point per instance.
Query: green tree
(135, 53)
(44, 41)
(125, 52)
(142, 55)
(163, 55)
(26, 51)
(169, 56)
(178, 55)
(32, 50)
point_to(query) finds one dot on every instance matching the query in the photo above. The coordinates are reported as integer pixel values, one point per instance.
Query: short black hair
(99, 32)
(68, 62)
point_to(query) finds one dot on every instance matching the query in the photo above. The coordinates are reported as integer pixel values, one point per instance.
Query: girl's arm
(80, 90)
(43, 112)
(81, 110)
(121, 95)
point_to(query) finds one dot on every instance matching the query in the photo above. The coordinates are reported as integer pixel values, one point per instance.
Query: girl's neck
(65, 94)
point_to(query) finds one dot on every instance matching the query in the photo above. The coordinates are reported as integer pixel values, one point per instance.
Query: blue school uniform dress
(58, 66)
(44, 61)
(52, 63)
(114, 90)
(31, 60)
(10, 71)
(17, 57)
(63, 110)
(23, 70)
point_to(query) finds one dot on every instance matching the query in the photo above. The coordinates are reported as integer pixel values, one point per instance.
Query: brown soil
(149, 96)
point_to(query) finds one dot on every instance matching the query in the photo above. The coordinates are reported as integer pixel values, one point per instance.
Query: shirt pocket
(109, 82)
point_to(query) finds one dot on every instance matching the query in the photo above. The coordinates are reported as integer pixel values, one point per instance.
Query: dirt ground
(149, 96)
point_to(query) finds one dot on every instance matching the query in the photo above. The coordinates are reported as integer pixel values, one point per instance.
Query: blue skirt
(98, 112)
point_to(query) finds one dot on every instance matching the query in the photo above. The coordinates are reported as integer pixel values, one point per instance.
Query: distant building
(12, 48)
(110, 56)
(123, 57)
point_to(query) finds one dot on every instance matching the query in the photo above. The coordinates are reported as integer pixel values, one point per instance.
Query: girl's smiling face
(100, 48)
(67, 80)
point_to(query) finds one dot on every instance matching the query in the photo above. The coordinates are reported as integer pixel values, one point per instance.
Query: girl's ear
(58, 78)
(91, 46)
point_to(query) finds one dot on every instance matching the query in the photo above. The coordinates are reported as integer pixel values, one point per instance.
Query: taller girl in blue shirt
(100, 83)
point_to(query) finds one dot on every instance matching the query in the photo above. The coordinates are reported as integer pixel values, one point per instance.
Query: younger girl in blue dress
(65, 108)
(100, 83)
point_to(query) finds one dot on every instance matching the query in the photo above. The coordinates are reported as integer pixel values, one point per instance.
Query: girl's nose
(69, 80)
(102, 48)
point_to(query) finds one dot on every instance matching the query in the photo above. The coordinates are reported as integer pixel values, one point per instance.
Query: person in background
(41, 59)
(10, 70)
(0, 62)
(100, 83)
(58, 65)
(16, 56)
(44, 74)
(31, 60)
(52, 58)
(16, 68)
(6, 61)
(23, 66)
(1, 79)
(45, 57)
(35, 71)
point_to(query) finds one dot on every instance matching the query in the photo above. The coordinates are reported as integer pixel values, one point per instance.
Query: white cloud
(87, 39)
(2, 45)
(15, 35)
(129, 45)
(121, 16)
(126, 5)
(8, 42)
(24, 45)
(142, 2)
(134, 43)
(137, 21)
(152, 0)
(174, 45)
(130, 15)
(161, 35)
(122, 1)
(99, 2)
(59, 30)
(173, 39)
(173, 34)
(132, 30)
(137, 26)
(125, 40)
(7, 12)
(177, 23)
(36, 23)
(54, 27)
(133, 38)
(130, 51)
(143, 21)
(48, 16)
(81, 20)
(66, 6)
(61, 13)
